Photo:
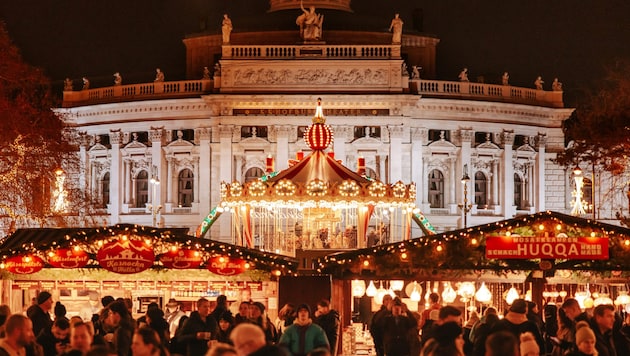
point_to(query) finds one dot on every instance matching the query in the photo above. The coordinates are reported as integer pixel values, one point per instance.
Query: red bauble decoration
(68, 258)
(318, 136)
(125, 256)
(24, 264)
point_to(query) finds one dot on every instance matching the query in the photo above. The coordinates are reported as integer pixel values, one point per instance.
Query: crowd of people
(211, 329)
(439, 330)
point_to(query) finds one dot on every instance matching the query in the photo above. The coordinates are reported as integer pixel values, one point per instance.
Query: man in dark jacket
(39, 312)
(397, 328)
(515, 321)
(249, 339)
(609, 340)
(329, 320)
(200, 328)
(55, 339)
(377, 327)
(123, 325)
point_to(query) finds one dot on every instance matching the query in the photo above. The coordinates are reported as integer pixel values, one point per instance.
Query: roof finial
(319, 113)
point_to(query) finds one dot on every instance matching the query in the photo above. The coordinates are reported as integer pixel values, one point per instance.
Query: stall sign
(68, 258)
(226, 266)
(164, 285)
(71, 285)
(569, 248)
(181, 259)
(90, 285)
(24, 264)
(25, 285)
(128, 285)
(125, 256)
(146, 285)
(47, 285)
(111, 285)
(199, 285)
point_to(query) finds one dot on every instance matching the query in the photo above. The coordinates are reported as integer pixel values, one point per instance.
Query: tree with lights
(37, 152)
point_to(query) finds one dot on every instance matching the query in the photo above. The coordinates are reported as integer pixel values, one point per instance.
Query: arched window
(518, 192)
(253, 174)
(142, 189)
(185, 185)
(105, 190)
(436, 189)
(481, 190)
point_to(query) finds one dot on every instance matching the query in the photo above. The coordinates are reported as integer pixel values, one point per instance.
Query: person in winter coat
(329, 320)
(585, 340)
(397, 328)
(516, 322)
(249, 339)
(303, 336)
(200, 328)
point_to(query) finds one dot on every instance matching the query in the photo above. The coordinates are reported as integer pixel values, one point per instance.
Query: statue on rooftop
(310, 24)
(67, 84)
(538, 83)
(505, 79)
(226, 28)
(396, 26)
(159, 75)
(463, 75)
(86, 83)
(206, 73)
(117, 79)
(556, 85)
(415, 72)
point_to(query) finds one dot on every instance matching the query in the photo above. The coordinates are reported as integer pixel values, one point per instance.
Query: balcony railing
(132, 92)
(311, 51)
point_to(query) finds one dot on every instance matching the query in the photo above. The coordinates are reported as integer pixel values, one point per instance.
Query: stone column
(282, 147)
(238, 169)
(540, 181)
(495, 183)
(507, 175)
(127, 182)
(225, 175)
(452, 183)
(203, 179)
(339, 144)
(195, 164)
(419, 135)
(115, 138)
(85, 175)
(155, 135)
(466, 137)
(395, 153)
(425, 187)
(168, 206)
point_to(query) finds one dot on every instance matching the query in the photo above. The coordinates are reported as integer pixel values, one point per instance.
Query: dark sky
(570, 39)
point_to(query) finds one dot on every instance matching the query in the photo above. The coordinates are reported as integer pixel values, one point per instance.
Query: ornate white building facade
(158, 152)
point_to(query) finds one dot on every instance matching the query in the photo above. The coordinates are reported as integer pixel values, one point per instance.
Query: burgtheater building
(157, 153)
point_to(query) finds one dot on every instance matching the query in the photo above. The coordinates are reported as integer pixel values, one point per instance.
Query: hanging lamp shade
(358, 288)
(397, 285)
(448, 294)
(415, 292)
(512, 295)
(380, 293)
(371, 290)
(483, 295)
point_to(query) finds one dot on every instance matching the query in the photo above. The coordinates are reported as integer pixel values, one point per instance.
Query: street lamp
(465, 206)
(155, 208)
(578, 202)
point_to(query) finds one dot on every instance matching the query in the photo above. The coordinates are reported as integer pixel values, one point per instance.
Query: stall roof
(465, 250)
(40, 240)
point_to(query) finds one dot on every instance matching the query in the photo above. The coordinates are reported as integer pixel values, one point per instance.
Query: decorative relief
(272, 76)
(508, 137)
(115, 137)
(156, 134)
(541, 139)
(420, 134)
(466, 135)
(203, 133)
(396, 131)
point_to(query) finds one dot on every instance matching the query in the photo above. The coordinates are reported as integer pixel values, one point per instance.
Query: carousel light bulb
(77, 248)
(473, 241)
(439, 248)
(626, 242)
(51, 254)
(511, 296)
(366, 263)
(403, 255)
(541, 227)
(483, 295)
(371, 290)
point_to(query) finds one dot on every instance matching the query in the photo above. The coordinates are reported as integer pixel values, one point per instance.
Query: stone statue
(206, 73)
(404, 70)
(117, 79)
(556, 85)
(505, 79)
(67, 84)
(217, 69)
(310, 24)
(538, 83)
(226, 28)
(86, 83)
(415, 72)
(463, 75)
(396, 26)
(159, 75)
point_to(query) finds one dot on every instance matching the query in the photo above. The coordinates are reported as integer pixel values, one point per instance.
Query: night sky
(569, 39)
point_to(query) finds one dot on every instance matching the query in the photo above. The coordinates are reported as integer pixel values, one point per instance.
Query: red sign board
(569, 248)
(227, 266)
(125, 256)
(25, 264)
(181, 259)
(68, 258)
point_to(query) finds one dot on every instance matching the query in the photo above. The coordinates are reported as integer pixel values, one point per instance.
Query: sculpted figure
(67, 84)
(396, 26)
(117, 79)
(310, 24)
(538, 83)
(415, 72)
(226, 28)
(86, 83)
(159, 75)
(206, 73)
(505, 79)
(556, 85)
(463, 75)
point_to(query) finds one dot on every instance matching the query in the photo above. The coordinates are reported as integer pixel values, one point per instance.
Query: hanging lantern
(415, 293)
(358, 288)
(371, 290)
(397, 285)
(380, 293)
(602, 299)
(581, 298)
(623, 298)
(483, 295)
(528, 295)
(448, 294)
(409, 289)
(466, 290)
(512, 295)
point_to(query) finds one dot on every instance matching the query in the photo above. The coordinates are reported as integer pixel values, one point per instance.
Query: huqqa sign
(125, 256)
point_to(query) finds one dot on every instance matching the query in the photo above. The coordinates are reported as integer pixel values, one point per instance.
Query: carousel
(318, 203)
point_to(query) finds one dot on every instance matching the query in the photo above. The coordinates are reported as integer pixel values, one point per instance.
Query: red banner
(25, 264)
(227, 266)
(68, 258)
(569, 248)
(125, 256)
(181, 259)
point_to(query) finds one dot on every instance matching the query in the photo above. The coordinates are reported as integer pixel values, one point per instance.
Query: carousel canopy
(546, 241)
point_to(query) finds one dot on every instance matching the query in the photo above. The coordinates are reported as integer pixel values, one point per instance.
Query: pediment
(134, 145)
(98, 147)
(254, 143)
(442, 145)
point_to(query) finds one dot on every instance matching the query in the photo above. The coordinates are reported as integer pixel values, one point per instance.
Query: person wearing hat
(584, 340)
(528, 345)
(39, 312)
(258, 316)
(172, 314)
(303, 336)
(226, 324)
(516, 322)
(397, 326)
